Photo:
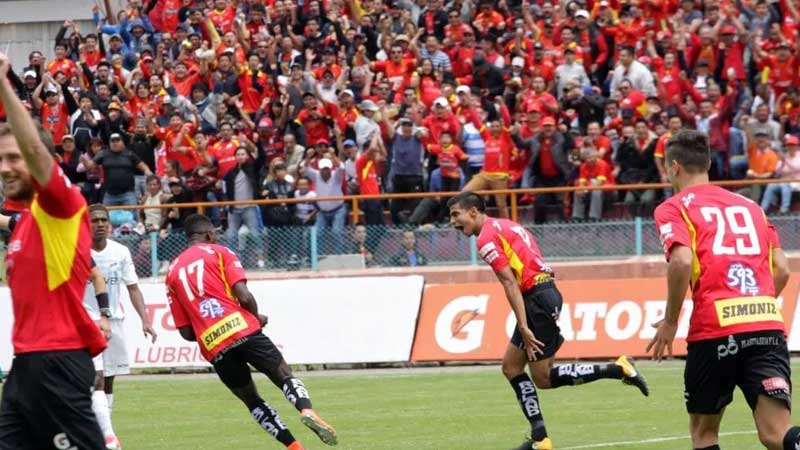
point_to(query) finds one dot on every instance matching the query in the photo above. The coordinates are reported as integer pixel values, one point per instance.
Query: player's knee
(511, 370)
(771, 438)
(542, 379)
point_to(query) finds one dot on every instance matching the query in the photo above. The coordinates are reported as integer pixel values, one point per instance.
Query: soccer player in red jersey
(46, 400)
(722, 246)
(530, 288)
(211, 304)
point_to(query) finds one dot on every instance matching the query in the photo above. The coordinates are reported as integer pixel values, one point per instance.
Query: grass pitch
(473, 409)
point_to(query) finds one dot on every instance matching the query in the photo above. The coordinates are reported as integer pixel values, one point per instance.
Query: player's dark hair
(468, 200)
(690, 149)
(197, 224)
(98, 207)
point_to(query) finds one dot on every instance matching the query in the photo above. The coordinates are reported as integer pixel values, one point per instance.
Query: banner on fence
(331, 320)
(599, 319)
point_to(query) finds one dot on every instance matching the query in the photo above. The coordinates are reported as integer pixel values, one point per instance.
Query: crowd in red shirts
(244, 99)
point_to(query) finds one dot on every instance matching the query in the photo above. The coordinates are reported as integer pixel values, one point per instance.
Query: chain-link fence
(293, 248)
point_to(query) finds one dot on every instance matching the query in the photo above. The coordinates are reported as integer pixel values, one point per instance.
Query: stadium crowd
(174, 101)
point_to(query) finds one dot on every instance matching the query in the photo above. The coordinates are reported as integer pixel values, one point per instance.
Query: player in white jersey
(115, 262)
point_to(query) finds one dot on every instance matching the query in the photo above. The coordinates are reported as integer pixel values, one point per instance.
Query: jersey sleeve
(490, 250)
(234, 271)
(58, 198)
(672, 229)
(178, 314)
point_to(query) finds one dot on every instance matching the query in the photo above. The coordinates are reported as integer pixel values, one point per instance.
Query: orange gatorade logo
(222, 330)
(599, 318)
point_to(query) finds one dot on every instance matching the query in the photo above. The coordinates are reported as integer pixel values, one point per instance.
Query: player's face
(17, 181)
(100, 225)
(462, 219)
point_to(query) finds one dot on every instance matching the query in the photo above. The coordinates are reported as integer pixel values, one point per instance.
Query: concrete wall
(26, 26)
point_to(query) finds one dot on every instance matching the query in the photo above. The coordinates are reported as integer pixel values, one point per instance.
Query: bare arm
(34, 152)
(514, 296)
(137, 300)
(679, 274)
(780, 270)
(247, 300)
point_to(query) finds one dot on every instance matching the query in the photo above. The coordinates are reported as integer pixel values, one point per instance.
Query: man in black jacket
(549, 163)
(487, 77)
(637, 165)
(241, 184)
(143, 144)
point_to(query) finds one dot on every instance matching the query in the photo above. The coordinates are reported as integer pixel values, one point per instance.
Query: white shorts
(115, 357)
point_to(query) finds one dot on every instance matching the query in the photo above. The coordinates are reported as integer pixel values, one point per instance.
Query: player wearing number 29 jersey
(721, 246)
(732, 243)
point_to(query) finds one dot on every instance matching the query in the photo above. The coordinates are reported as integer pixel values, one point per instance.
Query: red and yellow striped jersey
(732, 242)
(48, 261)
(199, 287)
(503, 243)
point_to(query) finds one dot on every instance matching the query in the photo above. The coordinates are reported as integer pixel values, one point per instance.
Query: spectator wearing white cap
(365, 125)
(406, 164)
(332, 216)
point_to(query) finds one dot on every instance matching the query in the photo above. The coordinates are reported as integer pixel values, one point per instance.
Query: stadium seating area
(244, 100)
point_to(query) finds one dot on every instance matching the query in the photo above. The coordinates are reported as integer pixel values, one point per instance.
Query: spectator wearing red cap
(788, 169)
(782, 67)
(549, 161)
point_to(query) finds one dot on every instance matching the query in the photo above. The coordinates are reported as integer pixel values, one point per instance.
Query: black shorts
(256, 350)
(47, 403)
(757, 362)
(542, 307)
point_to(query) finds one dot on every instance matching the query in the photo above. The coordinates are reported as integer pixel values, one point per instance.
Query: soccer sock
(100, 408)
(529, 401)
(713, 447)
(110, 400)
(295, 391)
(575, 374)
(271, 422)
(792, 439)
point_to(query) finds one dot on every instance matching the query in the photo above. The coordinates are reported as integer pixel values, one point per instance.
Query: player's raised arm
(34, 151)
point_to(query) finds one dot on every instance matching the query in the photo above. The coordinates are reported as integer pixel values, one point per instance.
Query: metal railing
(309, 248)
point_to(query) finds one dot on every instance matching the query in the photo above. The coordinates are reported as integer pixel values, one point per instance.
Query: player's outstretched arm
(780, 270)
(34, 151)
(101, 294)
(137, 300)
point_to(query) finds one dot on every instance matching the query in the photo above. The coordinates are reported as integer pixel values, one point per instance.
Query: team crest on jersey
(210, 308)
(687, 200)
(665, 232)
(743, 278)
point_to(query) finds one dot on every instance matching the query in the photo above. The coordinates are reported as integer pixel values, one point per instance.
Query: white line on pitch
(649, 441)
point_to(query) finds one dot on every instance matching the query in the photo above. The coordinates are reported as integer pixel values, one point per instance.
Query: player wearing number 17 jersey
(722, 246)
(530, 288)
(211, 304)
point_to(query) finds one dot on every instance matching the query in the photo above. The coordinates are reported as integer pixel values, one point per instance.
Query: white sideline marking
(649, 441)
